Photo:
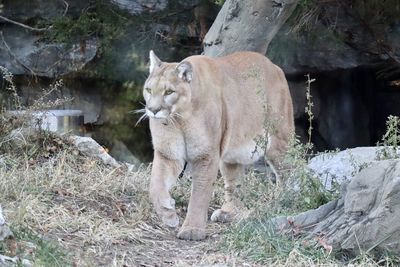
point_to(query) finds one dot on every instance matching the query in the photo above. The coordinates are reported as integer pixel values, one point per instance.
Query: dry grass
(92, 214)
(82, 213)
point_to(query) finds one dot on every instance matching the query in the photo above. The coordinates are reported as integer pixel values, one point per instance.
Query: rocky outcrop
(340, 167)
(331, 36)
(366, 217)
(23, 49)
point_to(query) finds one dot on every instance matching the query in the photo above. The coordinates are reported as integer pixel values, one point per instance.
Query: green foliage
(390, 140)
(99, 20)
(27, 245)
(309, 106)
(258, 241)
(218, 2)
(311, 192)
(65, 29)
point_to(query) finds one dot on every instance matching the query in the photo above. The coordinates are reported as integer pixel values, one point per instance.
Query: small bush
(390, 140)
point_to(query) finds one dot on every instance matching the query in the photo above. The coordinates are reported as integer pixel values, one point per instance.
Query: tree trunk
(246, 25)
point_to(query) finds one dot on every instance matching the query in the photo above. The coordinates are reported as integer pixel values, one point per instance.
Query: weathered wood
(246, 25)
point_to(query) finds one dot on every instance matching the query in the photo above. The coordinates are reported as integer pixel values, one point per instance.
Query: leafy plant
(390, 140)
(219, 2)
(28, 247)
(259, 241)
(308, 190)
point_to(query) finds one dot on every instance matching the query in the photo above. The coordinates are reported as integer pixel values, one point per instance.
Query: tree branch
(23, 25)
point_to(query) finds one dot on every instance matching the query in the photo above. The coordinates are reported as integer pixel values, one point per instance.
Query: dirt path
(160, 247)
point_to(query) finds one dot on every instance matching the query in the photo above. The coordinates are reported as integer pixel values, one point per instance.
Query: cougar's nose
(154, 110)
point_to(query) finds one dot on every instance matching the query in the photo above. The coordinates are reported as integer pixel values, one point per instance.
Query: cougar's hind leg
(274, 158)
(232, 174)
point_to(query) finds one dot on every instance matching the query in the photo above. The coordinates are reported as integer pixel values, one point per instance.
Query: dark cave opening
(351, 107)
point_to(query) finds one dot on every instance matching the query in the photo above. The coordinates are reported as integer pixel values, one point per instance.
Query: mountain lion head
(167, 89)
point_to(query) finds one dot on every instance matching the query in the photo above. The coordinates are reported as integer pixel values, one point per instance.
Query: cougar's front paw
(221, 216)
(191, 233)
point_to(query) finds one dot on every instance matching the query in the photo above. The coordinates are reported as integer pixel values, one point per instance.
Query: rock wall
(353, 52)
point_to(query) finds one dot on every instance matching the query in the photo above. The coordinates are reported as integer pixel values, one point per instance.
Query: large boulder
(365, 217)
(22, 52)
(341, 167)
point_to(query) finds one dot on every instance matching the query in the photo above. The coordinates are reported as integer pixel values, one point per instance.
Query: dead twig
(66, 7)
(23, 25)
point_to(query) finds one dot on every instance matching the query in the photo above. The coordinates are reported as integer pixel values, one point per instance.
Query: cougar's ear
(155, 62)
(185, 72)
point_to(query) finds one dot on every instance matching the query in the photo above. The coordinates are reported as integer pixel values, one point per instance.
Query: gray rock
(91, 148)
(365, 217)
(137, 7)
(342, 166)
(22, 52)
(5, 232)
(2, 220)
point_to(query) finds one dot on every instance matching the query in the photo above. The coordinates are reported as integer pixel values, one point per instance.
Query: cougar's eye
(168, 92)
(148, 90)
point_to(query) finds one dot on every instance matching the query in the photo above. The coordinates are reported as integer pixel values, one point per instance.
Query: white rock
(2, 220)
(342, 166)
(5, 232)
(91, 148)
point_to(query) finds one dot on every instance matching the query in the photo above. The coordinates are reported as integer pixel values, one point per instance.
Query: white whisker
(142, 110)
(178, 115)
(140, 119)
(171, 120)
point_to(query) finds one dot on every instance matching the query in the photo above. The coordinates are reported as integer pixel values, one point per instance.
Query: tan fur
(218, 108)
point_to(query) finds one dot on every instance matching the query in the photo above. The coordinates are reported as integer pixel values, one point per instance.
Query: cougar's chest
(168, 140)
